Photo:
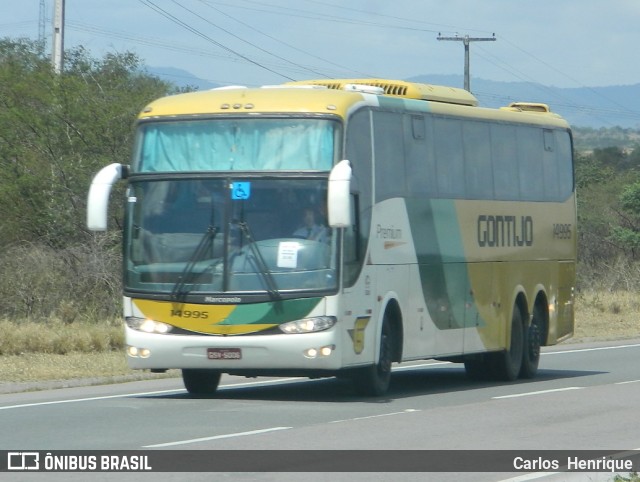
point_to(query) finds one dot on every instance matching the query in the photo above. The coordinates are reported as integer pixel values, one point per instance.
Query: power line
(395, 17)
(331, 14)
(291, 12)
(244, 40)
(167, 46)
(284, 43)
(593, 91)
(195, 31)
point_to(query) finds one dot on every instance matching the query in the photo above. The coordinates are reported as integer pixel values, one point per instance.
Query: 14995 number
(562, 231)
(203, 315)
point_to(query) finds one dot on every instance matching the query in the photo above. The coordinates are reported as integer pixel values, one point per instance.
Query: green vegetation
(608, 187)
(588, 139)
(56, 132)
(632, 477)
(60, 287)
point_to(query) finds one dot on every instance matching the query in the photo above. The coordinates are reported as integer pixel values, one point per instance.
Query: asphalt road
(586, 396)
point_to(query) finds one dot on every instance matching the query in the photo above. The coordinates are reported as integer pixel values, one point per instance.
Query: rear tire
(507, 364)
(373, 381)
(201, 382)
(532, 342)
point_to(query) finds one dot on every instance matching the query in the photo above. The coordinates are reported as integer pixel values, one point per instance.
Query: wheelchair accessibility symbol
(240, 190)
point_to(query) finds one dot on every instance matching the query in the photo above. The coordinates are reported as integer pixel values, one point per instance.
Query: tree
(605, 234)
(56, 132)
(627, 234)
(613, 157)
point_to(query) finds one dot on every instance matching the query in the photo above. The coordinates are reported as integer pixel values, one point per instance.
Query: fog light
(327, 350)
(311, 353)
(135, 352)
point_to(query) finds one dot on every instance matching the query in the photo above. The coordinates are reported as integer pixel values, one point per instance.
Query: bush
(75, 284)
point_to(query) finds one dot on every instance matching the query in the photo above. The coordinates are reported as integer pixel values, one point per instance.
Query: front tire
(373, 381)
(201, 382)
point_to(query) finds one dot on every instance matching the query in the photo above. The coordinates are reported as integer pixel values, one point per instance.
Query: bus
(441, 230)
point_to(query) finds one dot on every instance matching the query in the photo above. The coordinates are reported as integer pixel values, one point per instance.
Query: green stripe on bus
(445, 280)
(271, 313)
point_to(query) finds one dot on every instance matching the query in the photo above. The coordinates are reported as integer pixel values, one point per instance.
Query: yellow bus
(335, 227)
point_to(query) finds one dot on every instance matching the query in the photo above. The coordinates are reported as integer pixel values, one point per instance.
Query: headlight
(308, 325)
(147, 325)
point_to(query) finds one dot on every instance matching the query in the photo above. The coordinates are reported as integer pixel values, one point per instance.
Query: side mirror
(98, 200)
(339, 196)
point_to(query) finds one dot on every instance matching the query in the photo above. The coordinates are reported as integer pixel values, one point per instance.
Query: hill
(583, 107)
(181, 78)
(593, 107)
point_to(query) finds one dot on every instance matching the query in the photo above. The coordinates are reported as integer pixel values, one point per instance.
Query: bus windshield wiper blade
(187, 276)
(262, 267)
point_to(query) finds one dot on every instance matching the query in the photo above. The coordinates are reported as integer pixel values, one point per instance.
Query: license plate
(224, 353)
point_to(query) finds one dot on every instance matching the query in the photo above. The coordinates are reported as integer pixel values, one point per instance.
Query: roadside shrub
(74, 284)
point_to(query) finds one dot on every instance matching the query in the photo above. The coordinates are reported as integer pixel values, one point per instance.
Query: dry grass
(43, 366)
(607, 315)
(59, 338)
(31, 352)
(42, 352)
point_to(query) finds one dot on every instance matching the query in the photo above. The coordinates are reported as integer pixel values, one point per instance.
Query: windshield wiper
(188, 274)
(262, 267)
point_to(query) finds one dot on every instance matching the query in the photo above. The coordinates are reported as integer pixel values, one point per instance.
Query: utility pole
(467, 41)
(57, 52)
(41, 25)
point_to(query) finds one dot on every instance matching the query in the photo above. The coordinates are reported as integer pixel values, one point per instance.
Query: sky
(562, 43)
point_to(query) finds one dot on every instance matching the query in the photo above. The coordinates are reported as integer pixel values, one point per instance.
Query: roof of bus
(339, 97)
(242, 100)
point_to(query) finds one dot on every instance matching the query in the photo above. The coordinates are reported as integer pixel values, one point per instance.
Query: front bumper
(259, 353)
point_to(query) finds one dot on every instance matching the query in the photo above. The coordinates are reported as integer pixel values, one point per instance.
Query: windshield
(239, 144)
(200, 236)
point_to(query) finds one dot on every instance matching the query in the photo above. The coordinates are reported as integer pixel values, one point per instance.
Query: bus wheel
(373, 381)
(507, 364)
(201, 382)
(532, 341)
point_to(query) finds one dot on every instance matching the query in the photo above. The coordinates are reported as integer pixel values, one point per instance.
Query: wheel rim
(533, 350)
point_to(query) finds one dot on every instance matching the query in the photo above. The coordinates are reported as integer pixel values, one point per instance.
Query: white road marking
(531, 476)
(421, 365)
(624, 383)
(515, 395)
(579, 350)
(88, 399)
(142, 394)
(178, 390)
(288, 380)
(215, 437)
(409, 410)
